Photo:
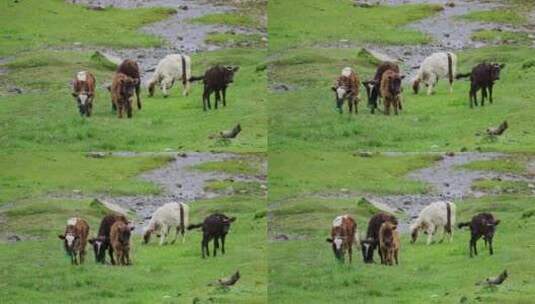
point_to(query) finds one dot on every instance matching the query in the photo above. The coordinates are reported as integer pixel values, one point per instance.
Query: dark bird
(228, 281)
(499, 130)
(493, 281)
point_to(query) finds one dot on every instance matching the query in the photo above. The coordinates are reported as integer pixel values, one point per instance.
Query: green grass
(503, 187)
(426, 274)
(246, 165)
(38, 270)
(231, 19)
(305, 23)
(236, 40)
(305, 119)
(508, 16)
(46, 117)
(515, 164)
(300, 173)
(26, 175)
(234, 187)
(502, 37)
(33, 24)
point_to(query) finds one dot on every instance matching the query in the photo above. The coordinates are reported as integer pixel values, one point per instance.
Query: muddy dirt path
(447, 31)
(181, 183)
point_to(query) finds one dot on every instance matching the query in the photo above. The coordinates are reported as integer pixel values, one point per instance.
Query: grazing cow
(120, 242)
(83, 89)
(343, 234)
(75, 239)
(391, 90)
(347, 87)
(437, 65)
(102, 242)
(122, 89)
(216, 79)
(482, 225)
(438, 215)
(371, 242)
(173, 67)
(216, 227)
(131, 69)
(483, 77)
(373, 86)
(170, 215)
(389, 243)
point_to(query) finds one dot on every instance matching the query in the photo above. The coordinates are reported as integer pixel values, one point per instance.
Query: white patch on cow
(98, 246)
(347, 72)
(70, 239)
(72, 221)
(340, 92)
(83, 98)
(338, 242)
(366, 248)
(81, 76)
(338, 221)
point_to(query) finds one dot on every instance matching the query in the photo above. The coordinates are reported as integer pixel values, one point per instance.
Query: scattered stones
(14, 238)
(450, 4)
(183, 7)
(97, 154)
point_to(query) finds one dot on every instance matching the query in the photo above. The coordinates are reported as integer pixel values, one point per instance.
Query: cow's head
(128, 85)
(495, 69)
(70, 241)
(124, 234)
(100, 245)
(228, 74)
(226, 223)
(372, 91)
(82, 100)
(337, 243)
(490, 228)
(368, 247)
(340, 93)
(394, 83)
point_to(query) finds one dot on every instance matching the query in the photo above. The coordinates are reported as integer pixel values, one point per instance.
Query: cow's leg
(349, 105)
(430, 231)
(129, 109)
(204, 100)
(216, 245)
(137, 94)
(202, 248)
(217, 98)
(396, 256)
(483, 95)
(165, 85)
(396, 105)
(82, 256)
(163, 231)
(350, 253)
(387, 106)
(120, 111)
(490, 93)
(176, 234)
(110, 252)
(223, 243)
(491, 250)
(224, 96)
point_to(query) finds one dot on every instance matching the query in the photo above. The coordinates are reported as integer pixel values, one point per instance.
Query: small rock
(96, 154)
(532, 186)
(344, 190)
(464, 149)
(264, 39)
(77, 191)
(446, 35)
(180, 38)
(14, 238)
(450, 154)
(179, 185)
(15, 90)
(281, 237)
(77, 44)
(446, 184)
(450, 4)
(263, 187)
(183, 7)
(365, 154)
(344, 41)
(168, 150)
(182, 154)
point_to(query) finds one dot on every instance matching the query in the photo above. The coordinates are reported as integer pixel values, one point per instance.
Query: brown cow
(131, 69)
(389, 243)
(101, 243)
(83, 87)
(120, 242)
(371, 242)
(347, 87)
(75, 239)
(391, 90)
(122, 89)
(343, 234)
(373, 86)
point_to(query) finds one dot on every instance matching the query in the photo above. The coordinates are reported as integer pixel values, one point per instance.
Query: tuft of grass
(236, 40)
(34, 24)
(508, 16)
(502, 187)
(231, 19)
(246, 165)
(511, 164)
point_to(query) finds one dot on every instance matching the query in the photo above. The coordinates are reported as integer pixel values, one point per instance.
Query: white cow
(171, 215)
(438, 215)
(434, 67)
(173, 67)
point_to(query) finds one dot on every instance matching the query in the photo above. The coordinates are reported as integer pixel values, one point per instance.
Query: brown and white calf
(347, 86)
(102, 242)
(343, 234)
(389, 243)
(83, 90)
(371, 242)
(120, 242)
(75, 239)
(391, 90)
(482, 225)
(131, 69)
(122, 89)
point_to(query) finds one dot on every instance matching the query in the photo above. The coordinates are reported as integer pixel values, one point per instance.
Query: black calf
(216, 227)
(482, 225)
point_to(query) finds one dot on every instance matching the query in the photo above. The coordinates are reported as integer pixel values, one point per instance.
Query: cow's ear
(329, 240)
(333, 88)
(402, 77)
(232, 219)
(136, 81)
(61, 236)
(236, 68)
(91, 241)
(74, 94)
(502, 65)
(394, 227)
(496, 222)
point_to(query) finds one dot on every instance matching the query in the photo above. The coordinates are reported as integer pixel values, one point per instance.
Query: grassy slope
(302, 22)
(28, 175)
(294, 174)
(53, 23)
(508, 16)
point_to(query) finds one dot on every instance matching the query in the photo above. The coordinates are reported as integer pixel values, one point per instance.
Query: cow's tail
(459, 76)
(184, 77)
(450, 69)
(194, 226)
(448, 218)
(465, 224)
(196, 78)
(182, 225)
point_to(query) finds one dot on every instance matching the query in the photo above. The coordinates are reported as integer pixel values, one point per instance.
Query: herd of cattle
(127, 80)
(383, 234)
(114, 234)
(386, 84)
